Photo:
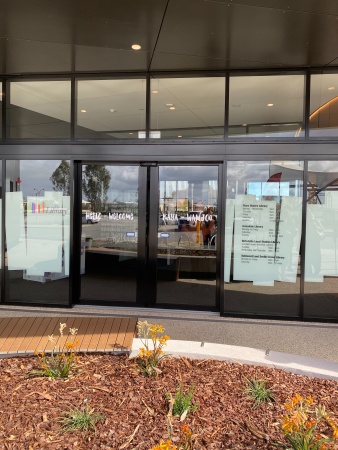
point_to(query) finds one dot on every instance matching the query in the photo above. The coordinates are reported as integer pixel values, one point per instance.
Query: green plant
(151, 353)
(181, 403)
(82, 419)
(300, 424)
(60, 361)
(258, 391)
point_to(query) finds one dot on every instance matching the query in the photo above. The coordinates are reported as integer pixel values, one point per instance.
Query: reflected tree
(61, 178)
(95, 185)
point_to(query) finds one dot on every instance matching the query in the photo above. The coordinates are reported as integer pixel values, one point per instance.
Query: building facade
(190, 173)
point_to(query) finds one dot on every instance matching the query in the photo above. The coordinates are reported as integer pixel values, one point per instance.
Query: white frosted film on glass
(44, 233)
(313, 243)
(0, 232)
(288, 239)
(254, 241)
(229, 225)
(321, 256)
(66, 233)
(15, 232)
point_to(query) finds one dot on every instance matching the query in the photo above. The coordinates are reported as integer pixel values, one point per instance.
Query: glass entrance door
(187, 236)
(149, 235)
(109, 233)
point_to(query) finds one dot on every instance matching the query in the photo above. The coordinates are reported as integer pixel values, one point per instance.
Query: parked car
(91, 217)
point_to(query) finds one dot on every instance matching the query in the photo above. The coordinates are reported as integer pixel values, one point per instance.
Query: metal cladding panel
(45, 36)
(251, 34)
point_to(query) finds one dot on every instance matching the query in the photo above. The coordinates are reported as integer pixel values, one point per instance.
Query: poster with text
(254, 240)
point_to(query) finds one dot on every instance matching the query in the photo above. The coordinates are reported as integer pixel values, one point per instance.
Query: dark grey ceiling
(45, 36)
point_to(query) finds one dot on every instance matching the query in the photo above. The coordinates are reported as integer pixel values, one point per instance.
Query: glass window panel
(109, 232)
(39, 110)
(37, 219)
(111, 109)
(324, 105)
(262, 237)
(321, 243)
(266, 106)
(187, 236)
(187, 108)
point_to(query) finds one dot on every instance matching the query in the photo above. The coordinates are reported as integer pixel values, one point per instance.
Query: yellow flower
(69, 345)
(186, 430)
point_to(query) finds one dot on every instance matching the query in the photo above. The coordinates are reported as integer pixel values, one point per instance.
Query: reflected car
(90, 218)
(186, 223)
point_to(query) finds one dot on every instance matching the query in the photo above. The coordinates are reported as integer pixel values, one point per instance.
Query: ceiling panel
(118, 24)
(166, 61)
(30, 56)
(44, 35)
(247, 33)
(92, 59)
(313, 6)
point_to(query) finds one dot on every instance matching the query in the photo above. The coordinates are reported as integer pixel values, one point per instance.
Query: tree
(95, 185)
(61, 178)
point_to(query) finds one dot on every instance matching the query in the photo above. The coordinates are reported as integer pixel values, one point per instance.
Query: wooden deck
(24, 335)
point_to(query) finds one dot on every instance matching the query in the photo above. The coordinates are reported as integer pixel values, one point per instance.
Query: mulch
(135, 407)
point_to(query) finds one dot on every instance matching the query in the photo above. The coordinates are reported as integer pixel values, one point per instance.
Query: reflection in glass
(110, 109)
(187, 235)
(187, 108)
(37, 219)
(39, 110)
(324, 105)
(321, 243)
(266, 106)
(262, 237)
(109, 232)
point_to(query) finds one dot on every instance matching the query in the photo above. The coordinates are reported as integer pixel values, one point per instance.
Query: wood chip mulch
(135, 408)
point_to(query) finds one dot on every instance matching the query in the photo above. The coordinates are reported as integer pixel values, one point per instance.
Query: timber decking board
(24, 335)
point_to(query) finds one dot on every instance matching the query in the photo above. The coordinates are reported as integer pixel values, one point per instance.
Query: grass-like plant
(300, 424)
(83, 419)
(182, 402)
(258, 391)
(151, 353)
(60, 361)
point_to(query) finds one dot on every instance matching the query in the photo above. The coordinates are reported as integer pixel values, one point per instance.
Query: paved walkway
(309, 348)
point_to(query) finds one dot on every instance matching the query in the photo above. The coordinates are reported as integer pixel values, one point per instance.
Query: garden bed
(135, 408)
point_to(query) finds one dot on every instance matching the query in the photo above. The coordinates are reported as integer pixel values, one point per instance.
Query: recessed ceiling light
(331, 88)
(270, 104)
(172, 107)
(112, 110)
(131, 133)
(179, 136)
(154, 92)
(83, 110)
(169, 104)
(136, 47)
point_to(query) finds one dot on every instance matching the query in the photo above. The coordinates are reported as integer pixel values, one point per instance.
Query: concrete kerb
(312, 367)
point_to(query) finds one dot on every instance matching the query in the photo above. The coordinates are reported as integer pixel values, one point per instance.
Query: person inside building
(208, 228)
